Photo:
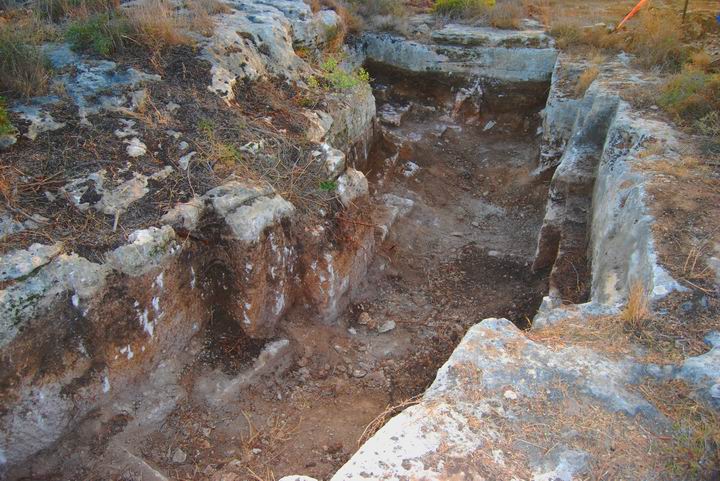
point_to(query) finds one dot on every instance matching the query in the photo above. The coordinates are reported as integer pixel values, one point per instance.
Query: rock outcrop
(80, 334)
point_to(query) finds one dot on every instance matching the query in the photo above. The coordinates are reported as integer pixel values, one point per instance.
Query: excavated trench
(456, 162)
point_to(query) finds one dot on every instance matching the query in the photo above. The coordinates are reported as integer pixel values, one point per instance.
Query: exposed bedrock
(564, 239)
(503, 56)
(78, 335)
(597, 230)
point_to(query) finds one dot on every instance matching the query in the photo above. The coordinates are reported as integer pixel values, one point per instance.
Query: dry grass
(382, 418)
(56, 10)
(24, 70)
(156, 24)
(506, 14)
(200, 15)
(350, 23)
(694, 449)
(683, 168)
(690, 95)
(586, 78)
(655, 38)
(636, 311)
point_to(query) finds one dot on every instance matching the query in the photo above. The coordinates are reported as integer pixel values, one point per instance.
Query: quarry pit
(405, 322)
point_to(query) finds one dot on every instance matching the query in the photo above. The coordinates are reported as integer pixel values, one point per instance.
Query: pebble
(359, 373)
(136, 148)
(179, 456)
(386, 326)
(510, 395)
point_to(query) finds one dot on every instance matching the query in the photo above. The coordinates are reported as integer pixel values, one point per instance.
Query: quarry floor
(463, 253)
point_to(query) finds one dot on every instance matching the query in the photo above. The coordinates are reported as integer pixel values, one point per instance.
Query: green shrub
(6, 127)
(101, 33)
(339, 79)
(24, 70)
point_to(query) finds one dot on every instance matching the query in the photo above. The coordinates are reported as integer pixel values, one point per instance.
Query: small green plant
(6, 127)
(101, 33)
(228, 154)
(328, 185)
(339, 79)
(313, 83)
(206, 126)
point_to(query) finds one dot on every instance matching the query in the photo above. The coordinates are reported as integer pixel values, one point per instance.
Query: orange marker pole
(632, 13)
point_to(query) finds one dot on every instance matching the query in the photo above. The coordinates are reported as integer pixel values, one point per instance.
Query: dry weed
(56, 10)
(156, 24)
(586, 78)
(382, 418)
(506, 14)
(24, 70)
(636, 311)
(683, 168)
(200, 15)
(694, 449)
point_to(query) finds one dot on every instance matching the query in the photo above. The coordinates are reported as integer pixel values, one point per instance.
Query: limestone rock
(148, 249)
(66, 273)
(249, 221)
(351, 186)
(469, 412)
(256, 40)
(20, 263)
(704, 370)
(8, 225)
(320, 123)
(386, 326)
(40, 121)
(97, 192)
(136, 148)
(228, 197)
(8, 140)
(334, 161)
(474, 51)
(467, 35)
(179, 456)
(185, 215)
(392, 115)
